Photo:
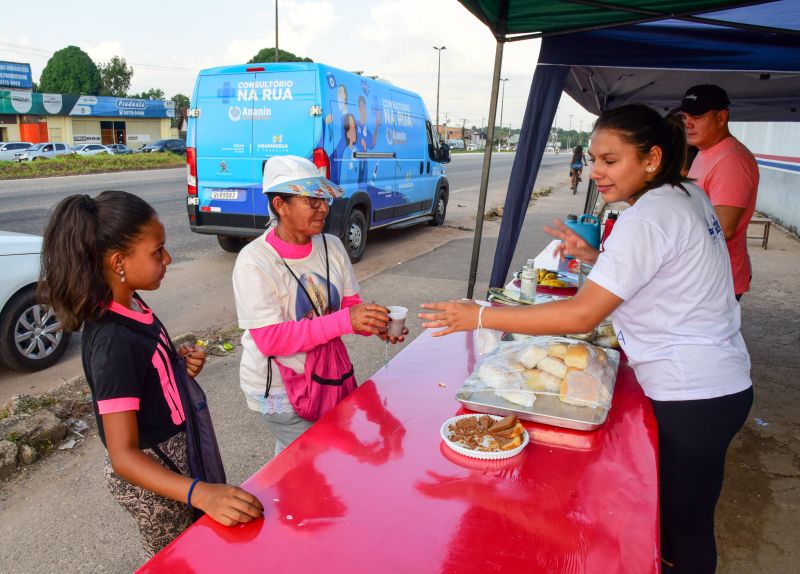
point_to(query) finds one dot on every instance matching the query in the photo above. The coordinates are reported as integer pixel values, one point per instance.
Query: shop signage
(71, 105)
(15, 75)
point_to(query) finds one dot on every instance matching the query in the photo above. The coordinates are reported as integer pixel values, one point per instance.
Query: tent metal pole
(487, 162)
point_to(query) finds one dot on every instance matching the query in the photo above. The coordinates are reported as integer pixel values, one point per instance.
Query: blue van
(375, 140)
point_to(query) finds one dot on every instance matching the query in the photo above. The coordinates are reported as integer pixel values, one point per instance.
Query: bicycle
(575, 177)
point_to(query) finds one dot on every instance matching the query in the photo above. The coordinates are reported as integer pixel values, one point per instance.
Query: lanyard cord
(318, 313)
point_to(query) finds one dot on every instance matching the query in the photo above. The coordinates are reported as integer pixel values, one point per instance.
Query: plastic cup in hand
(398, 321)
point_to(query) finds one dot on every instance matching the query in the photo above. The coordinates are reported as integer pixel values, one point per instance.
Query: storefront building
(35, 117)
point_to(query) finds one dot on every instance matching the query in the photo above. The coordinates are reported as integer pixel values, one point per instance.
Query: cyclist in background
(576, 167)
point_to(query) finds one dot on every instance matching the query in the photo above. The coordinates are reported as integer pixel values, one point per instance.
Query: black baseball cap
(702, 98)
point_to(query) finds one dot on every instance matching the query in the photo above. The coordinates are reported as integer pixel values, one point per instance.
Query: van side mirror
(444, 153)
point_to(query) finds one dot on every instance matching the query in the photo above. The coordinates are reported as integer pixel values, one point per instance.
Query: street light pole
(502, 100)
(438, 79)
(276, 32)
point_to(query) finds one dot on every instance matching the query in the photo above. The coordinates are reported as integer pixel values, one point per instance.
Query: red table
(371, 488)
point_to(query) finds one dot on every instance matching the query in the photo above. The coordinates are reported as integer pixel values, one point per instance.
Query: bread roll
(557, 350)
(538, 380)
(531, 356)
(522, 397)
(584, 389)
(498, 374)
(555, 367)
(577, 356)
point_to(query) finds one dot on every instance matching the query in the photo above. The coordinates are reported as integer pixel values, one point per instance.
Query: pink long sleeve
(292, 337)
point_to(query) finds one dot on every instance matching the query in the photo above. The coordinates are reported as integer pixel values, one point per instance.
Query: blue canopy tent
(753, 52)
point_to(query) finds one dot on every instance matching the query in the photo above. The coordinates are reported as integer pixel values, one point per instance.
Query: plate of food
(485, 437)
(551, 282)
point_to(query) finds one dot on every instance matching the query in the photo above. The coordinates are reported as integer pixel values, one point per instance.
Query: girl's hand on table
(369, 318)
(195, 358)
(572, 244)
(385, 337)
(452, 315)
(228, 505)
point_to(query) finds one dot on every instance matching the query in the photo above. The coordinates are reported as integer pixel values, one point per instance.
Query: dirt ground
(758, 517)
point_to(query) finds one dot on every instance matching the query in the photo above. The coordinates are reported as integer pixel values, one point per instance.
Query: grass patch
(80, 165)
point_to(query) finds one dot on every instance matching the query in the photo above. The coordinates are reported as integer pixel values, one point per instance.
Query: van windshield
(37, 147)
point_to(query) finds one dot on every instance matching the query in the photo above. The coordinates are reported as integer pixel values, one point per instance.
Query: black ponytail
(80, 233)
(644, 128)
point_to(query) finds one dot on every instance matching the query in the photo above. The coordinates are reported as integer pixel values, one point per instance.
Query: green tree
(115, 77)
(268, 55)
(181, 104)
(151, 94)
(70, 71)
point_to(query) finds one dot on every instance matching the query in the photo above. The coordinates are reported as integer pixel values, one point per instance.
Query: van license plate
(224, 195)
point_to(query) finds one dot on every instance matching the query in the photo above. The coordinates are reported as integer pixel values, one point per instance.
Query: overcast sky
(167, 42)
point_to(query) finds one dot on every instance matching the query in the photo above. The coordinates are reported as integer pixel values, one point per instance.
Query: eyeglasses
(316, 202)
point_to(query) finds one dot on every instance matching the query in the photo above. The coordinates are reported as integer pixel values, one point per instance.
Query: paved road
(197, 292)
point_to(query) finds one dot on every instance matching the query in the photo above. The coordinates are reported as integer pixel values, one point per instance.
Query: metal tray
(547, 409)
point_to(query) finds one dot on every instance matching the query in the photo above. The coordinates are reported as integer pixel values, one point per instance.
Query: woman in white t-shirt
(296, 295)
(665, 278)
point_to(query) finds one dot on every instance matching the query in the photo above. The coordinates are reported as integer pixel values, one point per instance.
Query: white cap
(297, 176)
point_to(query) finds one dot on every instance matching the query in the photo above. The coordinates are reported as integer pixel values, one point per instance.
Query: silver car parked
(44, 150)
(91, 149)
(10, 149)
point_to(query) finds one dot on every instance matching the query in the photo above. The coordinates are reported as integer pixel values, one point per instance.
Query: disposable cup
(398, 320)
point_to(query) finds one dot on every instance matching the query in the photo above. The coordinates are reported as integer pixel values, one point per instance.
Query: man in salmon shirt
(725, 170)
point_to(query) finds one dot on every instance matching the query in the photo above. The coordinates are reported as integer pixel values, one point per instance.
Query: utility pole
(502, 100)
(277, 58)
(438, 79)
(580, 132)
(464, 130)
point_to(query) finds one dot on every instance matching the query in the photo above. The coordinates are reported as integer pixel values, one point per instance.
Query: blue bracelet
(189, 495)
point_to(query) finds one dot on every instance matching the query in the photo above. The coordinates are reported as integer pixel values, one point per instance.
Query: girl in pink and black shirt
(97, 254)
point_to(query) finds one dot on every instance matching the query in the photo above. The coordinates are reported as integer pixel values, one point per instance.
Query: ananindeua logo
(234, 113)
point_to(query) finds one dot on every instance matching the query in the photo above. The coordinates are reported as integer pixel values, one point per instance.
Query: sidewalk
(58, 516)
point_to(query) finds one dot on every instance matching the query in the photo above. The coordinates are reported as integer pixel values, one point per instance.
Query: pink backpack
(328, 376)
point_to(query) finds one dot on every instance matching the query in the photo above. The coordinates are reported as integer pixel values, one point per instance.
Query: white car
(31, 337)
(44, 150)
(91, 149)
(10, 149)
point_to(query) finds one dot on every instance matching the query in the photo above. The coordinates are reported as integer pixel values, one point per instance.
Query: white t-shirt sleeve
(633, 255)
(258, 298)
(339, 254)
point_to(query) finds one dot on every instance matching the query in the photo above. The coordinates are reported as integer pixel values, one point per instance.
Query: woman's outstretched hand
(228, 505)
(369, 318)
(195, 358)
(453, 316)
(572, 244)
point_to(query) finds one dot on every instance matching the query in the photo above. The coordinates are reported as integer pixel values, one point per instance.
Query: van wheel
(230, 244)
(439, 208)
(355, 235)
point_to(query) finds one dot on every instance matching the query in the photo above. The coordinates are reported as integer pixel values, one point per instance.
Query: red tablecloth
(371, 488)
